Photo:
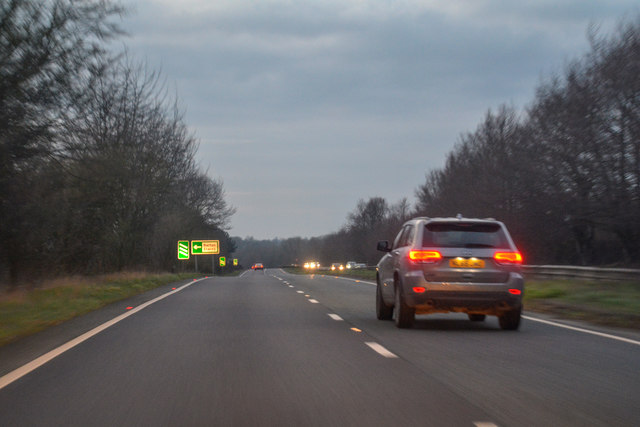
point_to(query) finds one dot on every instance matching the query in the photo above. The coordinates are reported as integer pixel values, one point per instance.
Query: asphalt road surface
(273, 349)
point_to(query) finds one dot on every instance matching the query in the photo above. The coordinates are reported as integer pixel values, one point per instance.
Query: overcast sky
(304, 107)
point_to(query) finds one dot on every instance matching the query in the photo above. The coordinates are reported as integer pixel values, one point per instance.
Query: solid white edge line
(36, 363)
(586, 331)
(381, 350)
(559, 325)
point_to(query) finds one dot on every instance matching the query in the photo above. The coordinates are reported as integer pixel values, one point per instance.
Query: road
(274, 349)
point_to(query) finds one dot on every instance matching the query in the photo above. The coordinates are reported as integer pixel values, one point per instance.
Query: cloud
(352, 98)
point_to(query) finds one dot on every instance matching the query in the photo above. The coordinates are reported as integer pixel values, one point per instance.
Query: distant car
(337, 266)
(440, 265)
(351, 265)
(257, 266)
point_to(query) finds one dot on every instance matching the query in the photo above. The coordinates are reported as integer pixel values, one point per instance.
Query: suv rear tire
(404, 315)
(510, 320)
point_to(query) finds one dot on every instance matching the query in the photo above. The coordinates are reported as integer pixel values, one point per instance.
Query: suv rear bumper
(473, 298)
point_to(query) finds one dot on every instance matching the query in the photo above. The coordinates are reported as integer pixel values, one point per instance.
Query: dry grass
(23, 289)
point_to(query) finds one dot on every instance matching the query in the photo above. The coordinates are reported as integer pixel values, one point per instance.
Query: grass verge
(614, 304)
(609, 303)
(24, 312)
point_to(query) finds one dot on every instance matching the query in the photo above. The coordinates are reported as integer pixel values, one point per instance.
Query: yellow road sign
(205, 247)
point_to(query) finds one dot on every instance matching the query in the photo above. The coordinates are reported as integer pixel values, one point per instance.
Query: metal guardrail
(565, 272)
(574, 272)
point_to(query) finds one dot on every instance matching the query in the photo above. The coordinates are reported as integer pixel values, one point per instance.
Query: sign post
(200, 247)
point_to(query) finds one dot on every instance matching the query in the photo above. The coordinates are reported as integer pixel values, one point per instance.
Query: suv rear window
(464, 235)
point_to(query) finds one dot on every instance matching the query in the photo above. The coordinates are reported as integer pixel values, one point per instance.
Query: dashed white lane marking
(312, 301)
(300, 292)
(335, 317)
(586, 331)
(36, 363)
(356, 280)
(484, 424)
(381, 350)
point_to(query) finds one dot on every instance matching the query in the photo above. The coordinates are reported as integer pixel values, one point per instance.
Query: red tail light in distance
(508, 257)
(425, 256)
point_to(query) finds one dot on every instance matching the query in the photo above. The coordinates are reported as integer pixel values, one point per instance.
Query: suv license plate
(466, 263)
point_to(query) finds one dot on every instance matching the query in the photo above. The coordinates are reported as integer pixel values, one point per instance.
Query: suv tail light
(425, 256)
(508, 257)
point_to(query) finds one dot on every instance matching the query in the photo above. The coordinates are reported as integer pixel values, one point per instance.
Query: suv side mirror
(383, 246)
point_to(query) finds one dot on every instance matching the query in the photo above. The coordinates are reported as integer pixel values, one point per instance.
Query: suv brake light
(425, 256)
(508, 257)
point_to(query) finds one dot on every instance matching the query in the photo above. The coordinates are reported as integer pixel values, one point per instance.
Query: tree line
(97, 166)
(564, 174)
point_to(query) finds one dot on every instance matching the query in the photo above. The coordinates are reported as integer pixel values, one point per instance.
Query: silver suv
(441, 265)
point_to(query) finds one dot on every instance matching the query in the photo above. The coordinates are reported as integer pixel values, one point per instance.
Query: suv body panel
(493, 289)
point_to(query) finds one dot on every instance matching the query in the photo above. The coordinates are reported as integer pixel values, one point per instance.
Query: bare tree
(45, 49)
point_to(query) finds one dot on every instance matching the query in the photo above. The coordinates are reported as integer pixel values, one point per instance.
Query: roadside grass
(27, 311)
(607, 303)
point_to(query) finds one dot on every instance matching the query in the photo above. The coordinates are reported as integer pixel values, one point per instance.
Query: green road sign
(205, 247)
(223, 261)
(183, 249)
(235, 262)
